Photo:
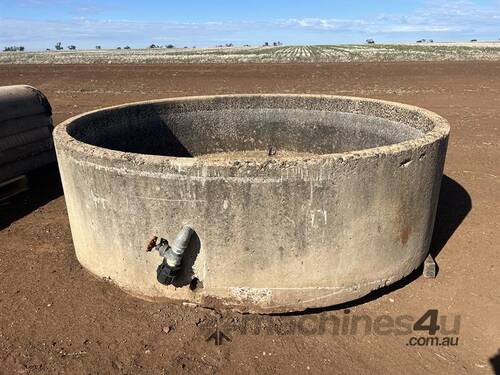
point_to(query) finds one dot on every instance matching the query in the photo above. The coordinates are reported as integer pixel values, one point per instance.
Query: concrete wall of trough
(272, 235)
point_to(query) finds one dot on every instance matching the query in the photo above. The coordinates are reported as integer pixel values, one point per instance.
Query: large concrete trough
(295, 201)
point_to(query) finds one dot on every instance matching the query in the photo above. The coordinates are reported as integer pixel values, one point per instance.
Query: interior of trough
(215, 130)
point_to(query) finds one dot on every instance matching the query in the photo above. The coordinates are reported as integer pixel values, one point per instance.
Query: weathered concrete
(25, 131)
(297, 201)
(22, 101)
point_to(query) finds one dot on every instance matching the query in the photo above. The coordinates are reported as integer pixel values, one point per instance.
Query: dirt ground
(56, 318)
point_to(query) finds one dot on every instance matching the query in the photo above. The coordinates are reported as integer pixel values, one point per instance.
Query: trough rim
(64, 140)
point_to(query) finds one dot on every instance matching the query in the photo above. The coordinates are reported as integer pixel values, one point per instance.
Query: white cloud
(460, 19)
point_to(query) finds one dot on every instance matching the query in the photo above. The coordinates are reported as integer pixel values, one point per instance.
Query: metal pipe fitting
(172, 255)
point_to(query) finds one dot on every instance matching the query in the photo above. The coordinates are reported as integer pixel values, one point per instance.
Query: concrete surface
(344, 204)
(25, 131)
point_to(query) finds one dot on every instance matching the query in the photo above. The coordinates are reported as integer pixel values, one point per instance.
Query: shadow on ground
(44, 186)
(453, 206)
(495, 363)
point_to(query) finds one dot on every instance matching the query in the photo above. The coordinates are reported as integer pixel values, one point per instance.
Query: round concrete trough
(297, 201)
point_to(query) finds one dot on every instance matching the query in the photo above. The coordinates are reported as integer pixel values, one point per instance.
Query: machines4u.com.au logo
(429, 329)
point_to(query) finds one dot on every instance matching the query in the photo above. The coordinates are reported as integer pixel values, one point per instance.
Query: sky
(39, 24)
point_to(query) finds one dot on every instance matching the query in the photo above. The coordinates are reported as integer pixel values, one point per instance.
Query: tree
(72, 47)
(97, 47)
(59, 46)
(126, 47)
(13, 48)
(170, 46)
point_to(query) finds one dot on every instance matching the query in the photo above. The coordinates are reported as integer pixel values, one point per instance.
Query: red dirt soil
(57, 318)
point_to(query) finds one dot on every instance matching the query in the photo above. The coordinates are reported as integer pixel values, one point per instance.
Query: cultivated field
(283, 54)
(56, 318)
